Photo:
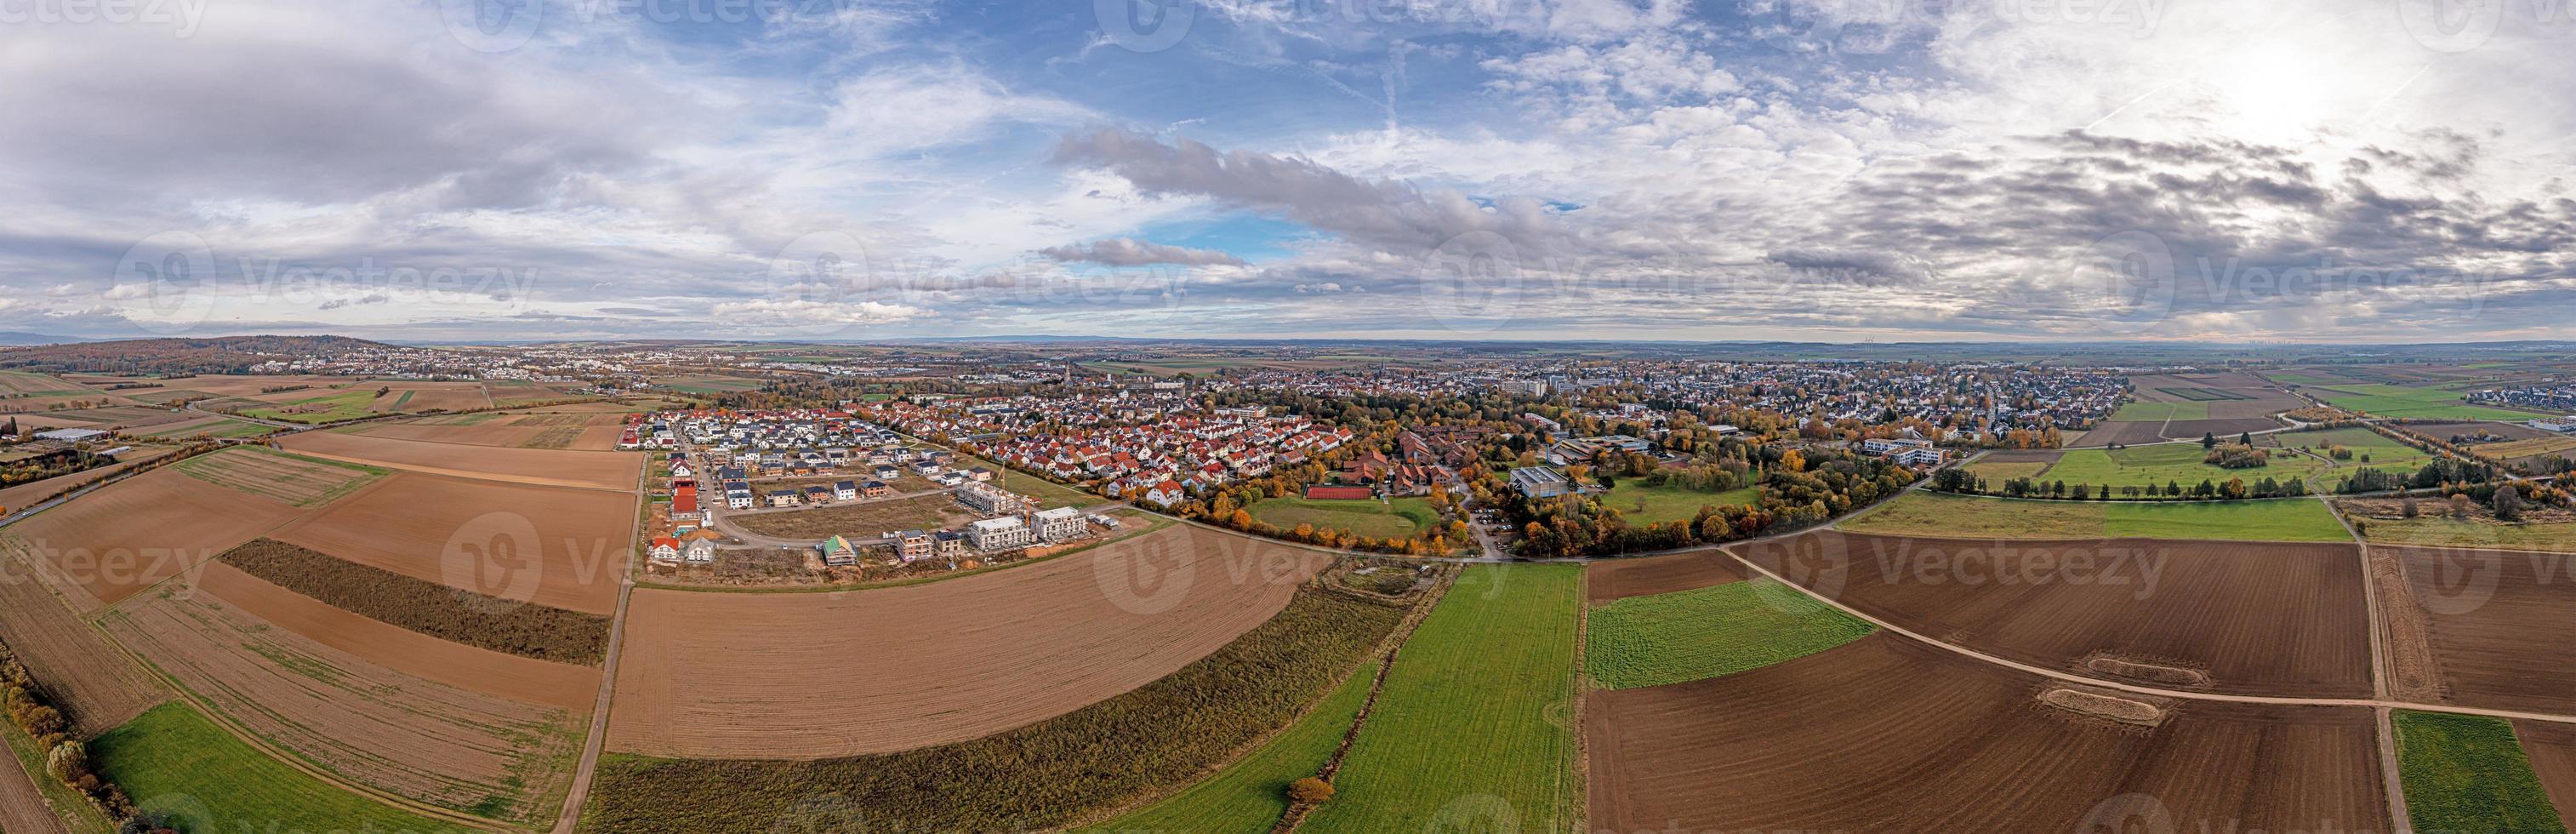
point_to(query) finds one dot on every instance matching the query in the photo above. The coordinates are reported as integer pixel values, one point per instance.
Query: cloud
(1120, 251)
(800, 312)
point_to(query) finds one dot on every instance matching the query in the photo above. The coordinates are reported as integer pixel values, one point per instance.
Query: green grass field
(1397, 519)
(1642, 504)
(2154, 412)
(2432, 530)
(1997, 472)
(2402, 401)
(2467, 773)
(346, 405)
(173, 760)
(2384, 454)
(1708, 632)
(1251, 794)
(1964, 516)
(1477, 719)
(2168, 463)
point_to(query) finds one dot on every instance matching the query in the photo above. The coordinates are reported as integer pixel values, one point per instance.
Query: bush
(1310, 790)
(68, 763)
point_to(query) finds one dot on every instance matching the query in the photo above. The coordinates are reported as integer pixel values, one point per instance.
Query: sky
(1893, 170)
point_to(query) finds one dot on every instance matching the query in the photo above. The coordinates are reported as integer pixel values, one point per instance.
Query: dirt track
(1611, 579)
(1887, 734)
(2260, 619)
(814, 675)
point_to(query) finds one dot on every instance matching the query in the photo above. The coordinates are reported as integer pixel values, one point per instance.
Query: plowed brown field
(1889, 735)
(2259, 619)
(109, 544)
(405, 734)
(813, 675)
(2502, 624)
(547, 467)
(559, 685)
(1611, 579)
(2552, 749)
(94, 684)
(548, 545)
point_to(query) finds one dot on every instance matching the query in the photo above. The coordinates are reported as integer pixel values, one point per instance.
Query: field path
(579, 795)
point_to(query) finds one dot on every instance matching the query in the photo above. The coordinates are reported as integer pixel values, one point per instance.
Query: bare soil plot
(493, 433)
(863, 518)
(433, 396)
(407, 735)
(22, 807)
(2552, 750)
(1834, 742)
(1611, 579)
(2257, 619)
(814, 675)
(551, 546)
(2502, 624)
(2122, 433)
(552, 467)
(111, 543)
(507, 626)
(90, 680)
(286, 478)
(559, 685)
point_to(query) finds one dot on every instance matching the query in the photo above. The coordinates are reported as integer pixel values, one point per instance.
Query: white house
(700, 550)
(1166, 494)
(1059, 524)
(1003, 533)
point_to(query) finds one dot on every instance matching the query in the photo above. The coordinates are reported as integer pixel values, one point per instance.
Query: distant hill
(20, 337)
(226, 354)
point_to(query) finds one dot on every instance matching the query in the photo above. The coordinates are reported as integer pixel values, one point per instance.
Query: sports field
(1397, 519)
(1437, 755)
(175, 761)
(1642, 504)
(1708, 632)
(2402, 401)
(1963, 516)
(2467, 773)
